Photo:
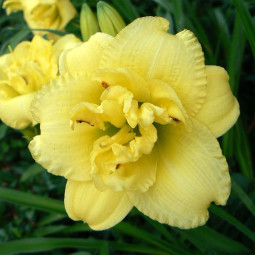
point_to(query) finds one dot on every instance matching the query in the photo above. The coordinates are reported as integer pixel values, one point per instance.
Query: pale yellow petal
(163, 95)
(221, 109)
(135, 176)
(191, 173)
(65, 42)
(61, 149)
(66, 12)
(101, 210)
(84, 58)
(145, 47)
(12, 6)
(126, 78)
(15, 112)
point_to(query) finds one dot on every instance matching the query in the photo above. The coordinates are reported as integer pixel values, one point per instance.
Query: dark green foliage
(32, 215)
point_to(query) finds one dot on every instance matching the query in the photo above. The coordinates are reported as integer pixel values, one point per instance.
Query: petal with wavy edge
(139, 175)
(84, 58)
(164, 96)
(145, 47)
(67, 11)
(15, 112)
(191, 173)
(221, 109)
(101, 210)
(61, 149)
(126, 78)
(65, 42)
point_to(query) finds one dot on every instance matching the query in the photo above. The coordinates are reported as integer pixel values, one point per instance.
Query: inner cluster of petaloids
(131, 105)
(48, 13)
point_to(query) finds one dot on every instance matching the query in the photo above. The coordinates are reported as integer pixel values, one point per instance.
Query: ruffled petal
(61, 149)
(15, 112)
(65, 42)
(126, 78)
(221, 109)
(84, 58)
(66, 12)
(101, 210)
(145, 47)
(139, 175)
(191, 173)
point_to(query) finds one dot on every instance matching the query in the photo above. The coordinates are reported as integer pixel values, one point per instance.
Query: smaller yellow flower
(44, 14)
(24, 71)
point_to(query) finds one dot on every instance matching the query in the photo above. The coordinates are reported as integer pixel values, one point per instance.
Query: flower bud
(88, 22)
(109, 19)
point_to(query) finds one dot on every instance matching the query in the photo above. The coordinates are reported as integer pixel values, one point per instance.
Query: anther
(105, 84)
(84, 121)
(174, 119)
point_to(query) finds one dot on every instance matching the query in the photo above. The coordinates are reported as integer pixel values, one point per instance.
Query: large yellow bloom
(43, 14)
(133, 121)
(24, 71)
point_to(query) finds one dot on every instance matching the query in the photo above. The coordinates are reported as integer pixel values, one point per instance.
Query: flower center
(136, 136)
(125, 108)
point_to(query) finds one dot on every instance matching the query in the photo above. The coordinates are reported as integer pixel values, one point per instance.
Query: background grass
(32, 216)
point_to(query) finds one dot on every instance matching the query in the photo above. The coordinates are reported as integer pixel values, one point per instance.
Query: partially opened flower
(24, 71)
(133, 121)
(43, 14)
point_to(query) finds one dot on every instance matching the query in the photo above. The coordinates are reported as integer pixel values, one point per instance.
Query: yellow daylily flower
(133, 121)
(24, 71)
(43, 14)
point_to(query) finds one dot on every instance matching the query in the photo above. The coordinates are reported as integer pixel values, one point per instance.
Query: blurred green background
(32, 216)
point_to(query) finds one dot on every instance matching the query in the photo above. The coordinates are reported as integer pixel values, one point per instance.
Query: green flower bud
(88, 22)
(109, 19)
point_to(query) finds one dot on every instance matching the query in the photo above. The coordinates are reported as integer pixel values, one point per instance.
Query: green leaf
(126, 9)
(243, 196)
(234, 67)
(3, 130)
(104, 249)
(207, 239)
(32, 171)
(63, 229)
(248, 22)
(179, 15)
(133, 231)
(14, 40)
(233, 221)
(243, 151)
(33, 245)
(165, 4)
(34, 201)
(50, 218)
(223, 30)
(200, 31)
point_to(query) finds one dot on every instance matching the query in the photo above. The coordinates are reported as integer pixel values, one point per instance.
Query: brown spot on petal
(105, 84)
(117, 166)
(84, 121)
(174, 119)
(24, 78)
